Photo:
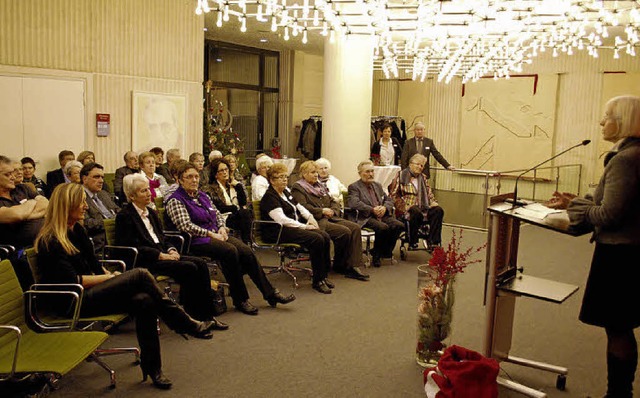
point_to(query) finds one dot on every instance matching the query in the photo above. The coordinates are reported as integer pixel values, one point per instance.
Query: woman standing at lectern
(612, 298)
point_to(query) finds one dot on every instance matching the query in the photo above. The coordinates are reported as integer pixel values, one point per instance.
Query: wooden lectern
(504, 284)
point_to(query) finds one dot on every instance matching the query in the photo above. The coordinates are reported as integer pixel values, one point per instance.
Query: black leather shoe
(247, 308)
(329, 284)
(413, 246)
(322, 287)
(202, 331)
(218, 325)
(277, 298)
(355, 273)
(159, 380)
(376, 262)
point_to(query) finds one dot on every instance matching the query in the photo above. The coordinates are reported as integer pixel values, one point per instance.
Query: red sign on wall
(102, 123)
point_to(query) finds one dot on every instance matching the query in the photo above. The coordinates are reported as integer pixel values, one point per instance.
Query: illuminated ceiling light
(447, 38)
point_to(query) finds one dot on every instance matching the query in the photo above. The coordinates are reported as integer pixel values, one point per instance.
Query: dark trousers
(241, 221)
(387, 230)
(319, 244)
(433, 218)
(192, 273)
(136, 292)
(236, 259)
(347, 242)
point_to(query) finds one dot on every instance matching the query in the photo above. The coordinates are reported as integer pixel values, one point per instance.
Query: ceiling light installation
(447, 38)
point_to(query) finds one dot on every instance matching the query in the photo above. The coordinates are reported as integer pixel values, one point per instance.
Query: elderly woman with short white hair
(260, 184)
(138, 225)
(335, 187)
(71, 170)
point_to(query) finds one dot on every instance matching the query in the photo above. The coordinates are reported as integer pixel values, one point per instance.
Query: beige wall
(116, 46)
(579, 109)
(307, 91)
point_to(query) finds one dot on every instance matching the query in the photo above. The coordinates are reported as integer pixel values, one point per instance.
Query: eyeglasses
(191, 177)
(418, 164)
(282, 177)
(223, 170)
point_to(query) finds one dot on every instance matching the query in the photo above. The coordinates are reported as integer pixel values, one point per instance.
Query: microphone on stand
(515, 190)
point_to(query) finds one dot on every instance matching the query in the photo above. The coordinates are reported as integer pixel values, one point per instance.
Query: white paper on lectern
(536, 210)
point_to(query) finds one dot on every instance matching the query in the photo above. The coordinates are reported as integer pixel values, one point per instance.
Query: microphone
(515, 190)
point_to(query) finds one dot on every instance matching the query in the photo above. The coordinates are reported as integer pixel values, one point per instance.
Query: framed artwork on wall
(158, 120)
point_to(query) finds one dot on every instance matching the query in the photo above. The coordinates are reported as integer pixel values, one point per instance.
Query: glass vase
(435, 309)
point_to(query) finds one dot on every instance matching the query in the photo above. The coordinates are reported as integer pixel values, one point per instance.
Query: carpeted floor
(359, 341)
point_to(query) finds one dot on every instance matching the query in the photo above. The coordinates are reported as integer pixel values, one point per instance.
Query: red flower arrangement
(452, 261)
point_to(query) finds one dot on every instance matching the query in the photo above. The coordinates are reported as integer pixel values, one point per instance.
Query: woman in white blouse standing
(387, 150)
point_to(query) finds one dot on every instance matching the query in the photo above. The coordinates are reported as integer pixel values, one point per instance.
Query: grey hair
(364, 164)
(173, 152)
(419, 124)
(264, 161)
(625, 110)
(322, 162)
(131, 182)
(67, 167)
(214, 154)
(418, 156)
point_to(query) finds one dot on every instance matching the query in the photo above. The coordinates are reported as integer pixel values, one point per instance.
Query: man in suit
(101, 205)
(375, 211)
(424, 146)
(57, 176)
(130, 167)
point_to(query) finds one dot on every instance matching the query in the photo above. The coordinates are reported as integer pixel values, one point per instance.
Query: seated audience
(198, 160)
(130, 167)
(159, 154)
(335, 187)
(55, 177)
(229, 198)
(100, 205)
(215, 154)
(65, 256)
(157, 182)
(163, 168)
(414, 200)
(28, 171)
(375, 211)
(86, 157)
(173, 187)
(18, 177)
(260, 184)
(346, 236)
(71, 171)
(21, 217)
(387, 150)
(234, 173)
(191, 211)
(138, 225)
(298, 226)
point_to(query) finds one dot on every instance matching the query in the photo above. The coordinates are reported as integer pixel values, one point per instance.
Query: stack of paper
(535, 210)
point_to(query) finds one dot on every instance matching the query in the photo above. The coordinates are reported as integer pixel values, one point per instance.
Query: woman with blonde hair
(611, 297)
(65, 255)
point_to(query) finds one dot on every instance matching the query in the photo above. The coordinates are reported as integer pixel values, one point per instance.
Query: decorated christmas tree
(218, 131)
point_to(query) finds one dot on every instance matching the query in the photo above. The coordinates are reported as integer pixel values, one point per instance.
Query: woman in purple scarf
(191, 211)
